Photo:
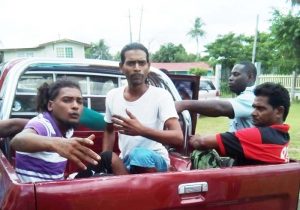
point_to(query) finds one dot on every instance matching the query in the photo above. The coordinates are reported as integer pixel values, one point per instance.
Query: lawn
(211, 125)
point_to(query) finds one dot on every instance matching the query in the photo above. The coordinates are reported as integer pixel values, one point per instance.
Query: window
(64, 52)
(25, 99)
(69, 52)
(29, 83)
(206, 85)
(93, 87)
(101, 85)
(60, 52)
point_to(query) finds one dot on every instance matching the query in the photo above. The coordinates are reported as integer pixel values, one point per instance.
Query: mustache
(137, 76)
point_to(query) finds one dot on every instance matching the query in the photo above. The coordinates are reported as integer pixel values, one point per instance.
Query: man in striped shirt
(45, 144)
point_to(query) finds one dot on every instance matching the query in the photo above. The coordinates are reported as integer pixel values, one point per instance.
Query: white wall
(46, 51)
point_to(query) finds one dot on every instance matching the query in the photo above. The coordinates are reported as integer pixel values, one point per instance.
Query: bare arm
(211, 108)
(108, 138)
(12, 126)
(204, 142)
(131, 126)
(73, 149)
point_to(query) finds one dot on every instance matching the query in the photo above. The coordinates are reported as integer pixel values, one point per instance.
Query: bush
(198, 71)
(225, 91)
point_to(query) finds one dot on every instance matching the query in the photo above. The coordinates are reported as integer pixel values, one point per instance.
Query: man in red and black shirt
(265, 143)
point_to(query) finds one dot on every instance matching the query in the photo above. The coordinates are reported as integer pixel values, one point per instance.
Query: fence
(290, 82)
(285, 80)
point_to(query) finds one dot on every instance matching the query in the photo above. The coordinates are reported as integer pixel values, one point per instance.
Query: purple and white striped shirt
(42, 166)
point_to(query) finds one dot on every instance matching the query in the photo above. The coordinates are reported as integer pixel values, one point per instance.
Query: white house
(62, 48)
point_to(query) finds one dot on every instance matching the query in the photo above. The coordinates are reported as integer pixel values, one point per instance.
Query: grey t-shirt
(242, 107)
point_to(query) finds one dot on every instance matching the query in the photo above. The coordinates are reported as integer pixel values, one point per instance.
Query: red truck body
(239, 187)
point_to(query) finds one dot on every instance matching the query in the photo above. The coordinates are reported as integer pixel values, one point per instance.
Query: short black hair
(133, 46)
(277, 94)
(48, 92)
(248, 67)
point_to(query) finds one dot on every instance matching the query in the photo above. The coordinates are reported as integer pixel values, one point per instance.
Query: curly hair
(48, 92)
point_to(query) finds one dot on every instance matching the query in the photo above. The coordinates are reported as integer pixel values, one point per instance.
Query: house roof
(64, 40)
(45, 44)
(181, 66)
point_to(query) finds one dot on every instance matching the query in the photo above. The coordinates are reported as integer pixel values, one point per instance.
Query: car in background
(207, 90)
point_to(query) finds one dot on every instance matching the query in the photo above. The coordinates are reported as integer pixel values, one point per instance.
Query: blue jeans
(145, 158)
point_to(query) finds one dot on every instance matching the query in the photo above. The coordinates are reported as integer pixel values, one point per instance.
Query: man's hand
(76, 150)
(195, 141)
(129, 126)
(203, 142)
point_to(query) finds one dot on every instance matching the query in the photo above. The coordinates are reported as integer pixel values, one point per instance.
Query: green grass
(294, 121)
(211, 125)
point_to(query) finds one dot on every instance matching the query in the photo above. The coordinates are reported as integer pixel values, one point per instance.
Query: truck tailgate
(255, 187)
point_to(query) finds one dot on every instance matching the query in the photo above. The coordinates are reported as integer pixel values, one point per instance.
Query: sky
(27, 23)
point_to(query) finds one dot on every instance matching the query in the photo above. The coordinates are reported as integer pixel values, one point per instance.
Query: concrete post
(293, 85)
(258, 71)
(218, 76)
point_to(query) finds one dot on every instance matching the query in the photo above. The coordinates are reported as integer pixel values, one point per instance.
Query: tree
(285, 31)
(228, 49)
(196, 32)
(98, 51)
(278, 51)
(171, 53)
(117, 56)
(198, 71)
(294, 2)
(265, 52)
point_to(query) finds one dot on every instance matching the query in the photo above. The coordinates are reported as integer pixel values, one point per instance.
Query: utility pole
(255, 40)
(140, 24)
(130, 33)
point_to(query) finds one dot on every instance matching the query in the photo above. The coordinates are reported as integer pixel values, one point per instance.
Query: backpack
(203, 159)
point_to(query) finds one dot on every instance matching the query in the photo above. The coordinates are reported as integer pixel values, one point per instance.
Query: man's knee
(144, 158)
(140, 153)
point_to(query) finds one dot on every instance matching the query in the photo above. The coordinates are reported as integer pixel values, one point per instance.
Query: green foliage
(285, 31)
(278, 51)
(117, 56)
(198, 71)
(172, 53)
(98, 51)
(224, 89)
(295, 2)
(265, 52)
(228, 49)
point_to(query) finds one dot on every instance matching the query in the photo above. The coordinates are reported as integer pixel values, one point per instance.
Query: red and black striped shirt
(256, 145)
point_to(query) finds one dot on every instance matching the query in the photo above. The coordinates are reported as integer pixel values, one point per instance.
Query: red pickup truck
(239, 187)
